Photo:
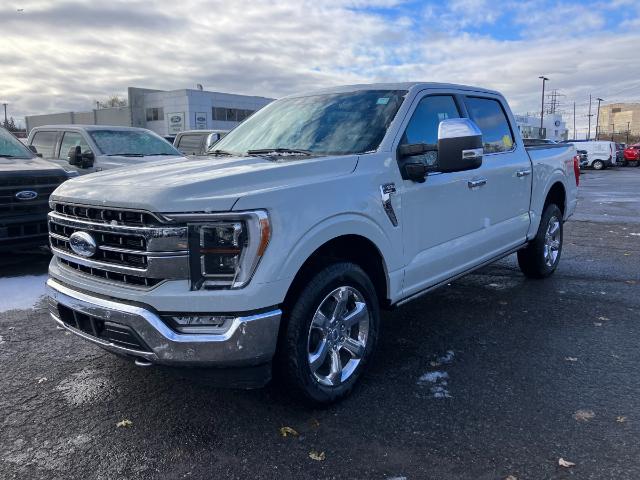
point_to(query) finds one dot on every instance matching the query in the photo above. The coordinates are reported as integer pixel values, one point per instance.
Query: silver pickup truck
(282, 245)
(93, 148)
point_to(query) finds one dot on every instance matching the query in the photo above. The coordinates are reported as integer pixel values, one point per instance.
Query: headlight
(225, 249)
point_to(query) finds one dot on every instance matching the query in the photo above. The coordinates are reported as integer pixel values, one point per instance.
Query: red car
(632, 155)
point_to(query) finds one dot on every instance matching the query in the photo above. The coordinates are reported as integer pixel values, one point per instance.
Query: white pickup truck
(282, 245)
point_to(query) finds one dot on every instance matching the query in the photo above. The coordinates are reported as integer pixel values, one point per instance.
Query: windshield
(131, 142)
(11, 147)
(329, 124)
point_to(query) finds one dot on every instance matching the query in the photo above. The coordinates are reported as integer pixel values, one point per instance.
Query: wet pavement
(490, 377)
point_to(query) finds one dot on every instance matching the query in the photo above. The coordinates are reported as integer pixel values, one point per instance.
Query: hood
(28, 166)
(198, 184)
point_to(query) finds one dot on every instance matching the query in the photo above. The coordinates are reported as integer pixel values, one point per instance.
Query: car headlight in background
(225, 249)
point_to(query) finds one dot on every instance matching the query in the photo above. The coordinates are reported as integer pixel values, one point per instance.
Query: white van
(600, 153)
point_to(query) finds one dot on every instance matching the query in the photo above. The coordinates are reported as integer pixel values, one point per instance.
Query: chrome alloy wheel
(338, 336)
(552, 242)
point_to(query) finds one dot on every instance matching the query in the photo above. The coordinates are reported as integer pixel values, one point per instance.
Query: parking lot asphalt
(491, 377)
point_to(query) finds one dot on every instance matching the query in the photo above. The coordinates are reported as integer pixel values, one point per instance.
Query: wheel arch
(364, 246)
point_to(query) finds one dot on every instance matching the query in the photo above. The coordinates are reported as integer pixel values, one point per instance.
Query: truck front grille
(43, 186)
(116, 333)
(127, 249)
(133, 218)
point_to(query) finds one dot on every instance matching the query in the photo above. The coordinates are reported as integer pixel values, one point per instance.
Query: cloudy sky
(61, 55)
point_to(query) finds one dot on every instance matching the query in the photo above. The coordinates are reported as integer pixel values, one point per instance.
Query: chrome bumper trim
(250, 340)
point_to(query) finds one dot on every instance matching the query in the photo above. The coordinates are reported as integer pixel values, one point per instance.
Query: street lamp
(4, 104)
(598, 116)
(544, 79)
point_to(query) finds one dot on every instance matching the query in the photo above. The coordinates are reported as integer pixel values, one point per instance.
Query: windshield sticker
(383, 100)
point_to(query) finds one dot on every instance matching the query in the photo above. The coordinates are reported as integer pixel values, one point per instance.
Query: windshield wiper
(125, 155)
(220, 152)
(279, 151)
(156, 154)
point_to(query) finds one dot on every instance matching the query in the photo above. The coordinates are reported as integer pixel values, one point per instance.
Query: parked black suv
(26, 182)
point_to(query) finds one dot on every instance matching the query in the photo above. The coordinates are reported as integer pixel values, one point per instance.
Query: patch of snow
(433, 377)
(635, 234)
(438, 382)
(21, 293)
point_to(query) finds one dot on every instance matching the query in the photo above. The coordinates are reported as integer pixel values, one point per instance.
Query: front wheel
(330, 333)
(541, 257)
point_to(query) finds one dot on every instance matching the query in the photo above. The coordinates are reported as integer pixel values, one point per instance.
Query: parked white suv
(92, 148)
(318, 211)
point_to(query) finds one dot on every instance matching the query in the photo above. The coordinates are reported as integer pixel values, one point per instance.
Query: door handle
(523, 173)
(477, 183)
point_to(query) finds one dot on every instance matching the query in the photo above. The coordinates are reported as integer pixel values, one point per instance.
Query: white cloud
(61, 56)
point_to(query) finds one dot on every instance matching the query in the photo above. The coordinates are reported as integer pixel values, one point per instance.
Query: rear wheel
(330, 334)
(598, 165)
(541, 257)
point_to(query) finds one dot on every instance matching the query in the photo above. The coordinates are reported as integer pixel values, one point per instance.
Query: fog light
(200, 323)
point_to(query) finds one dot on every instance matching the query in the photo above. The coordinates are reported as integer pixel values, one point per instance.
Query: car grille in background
(116, 333)
(10, 206)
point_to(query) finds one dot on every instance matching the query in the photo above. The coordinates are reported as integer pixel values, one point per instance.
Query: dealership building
(164, 112)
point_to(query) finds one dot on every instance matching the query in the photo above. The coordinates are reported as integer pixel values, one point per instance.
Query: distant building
(164, 112)
(618, 118)
(553, 126)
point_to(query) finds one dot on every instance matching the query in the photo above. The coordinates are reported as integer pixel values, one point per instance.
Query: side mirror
(35, 150)
(212, 138)
(79, 159)
(459, 145)
(87, 159)
(75, 156)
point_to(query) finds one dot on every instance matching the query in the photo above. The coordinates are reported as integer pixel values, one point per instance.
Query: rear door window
(72, 139)
(492, 121)
(45, 143)
(190, 144)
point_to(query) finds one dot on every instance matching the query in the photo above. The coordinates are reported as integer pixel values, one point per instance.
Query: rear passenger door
(45, 142)
(191, 144)
(507, 169)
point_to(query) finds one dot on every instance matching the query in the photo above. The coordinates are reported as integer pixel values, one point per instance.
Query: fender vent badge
(386, 190)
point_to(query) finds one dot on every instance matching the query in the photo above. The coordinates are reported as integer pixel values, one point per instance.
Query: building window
(230, 114)
(154, 114)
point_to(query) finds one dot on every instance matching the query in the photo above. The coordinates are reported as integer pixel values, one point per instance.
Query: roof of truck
(395, 86)
(85, 127)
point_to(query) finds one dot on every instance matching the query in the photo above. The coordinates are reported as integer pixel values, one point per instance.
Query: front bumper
(141, 333)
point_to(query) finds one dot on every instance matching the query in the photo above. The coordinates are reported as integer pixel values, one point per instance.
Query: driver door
(442, 216)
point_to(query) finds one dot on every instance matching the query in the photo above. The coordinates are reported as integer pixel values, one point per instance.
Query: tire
(541, 257)
(302, 365)
(598, 165)
(634, 163)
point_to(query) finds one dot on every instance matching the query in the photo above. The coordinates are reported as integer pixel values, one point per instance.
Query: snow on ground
(20, 293)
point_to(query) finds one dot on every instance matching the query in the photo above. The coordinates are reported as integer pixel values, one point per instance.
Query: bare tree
(112, 101)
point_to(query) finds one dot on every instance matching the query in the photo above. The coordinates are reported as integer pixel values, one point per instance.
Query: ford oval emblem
(83, 244)
(176, 119)
(27, 195)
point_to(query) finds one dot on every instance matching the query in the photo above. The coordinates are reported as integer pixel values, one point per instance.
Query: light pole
(598, 116)
(613, 130)
(628, 125)
(590, 115)
(544, 79)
